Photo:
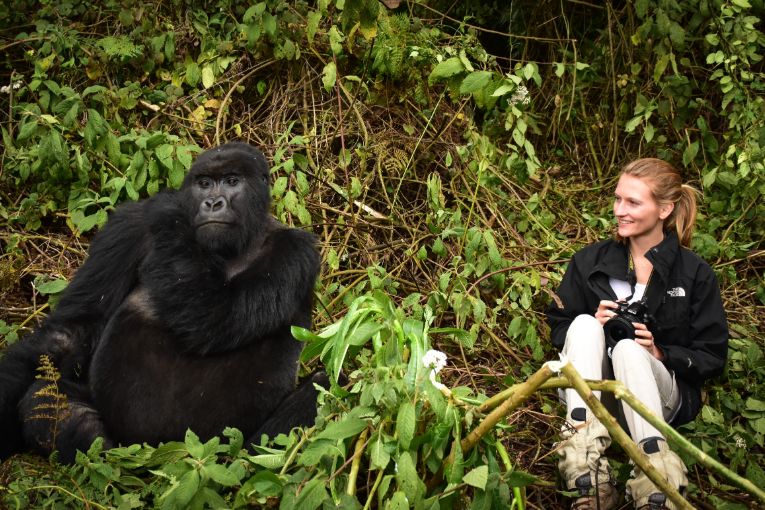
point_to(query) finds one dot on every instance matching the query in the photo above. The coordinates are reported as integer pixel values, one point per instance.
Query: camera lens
(618, 328)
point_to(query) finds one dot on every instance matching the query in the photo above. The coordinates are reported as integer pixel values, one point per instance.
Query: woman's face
(637, 213)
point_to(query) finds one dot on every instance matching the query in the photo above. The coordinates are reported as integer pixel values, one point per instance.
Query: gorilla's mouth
(213, 222)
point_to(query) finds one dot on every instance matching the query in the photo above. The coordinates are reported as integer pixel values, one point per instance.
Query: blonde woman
(670, 333)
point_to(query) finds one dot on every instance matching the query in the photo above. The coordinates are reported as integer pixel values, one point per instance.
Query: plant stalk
(620, 436)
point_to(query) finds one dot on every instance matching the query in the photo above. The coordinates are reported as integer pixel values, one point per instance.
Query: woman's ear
(665, 210)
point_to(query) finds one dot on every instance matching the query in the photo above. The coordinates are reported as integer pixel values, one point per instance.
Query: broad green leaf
(446, 69)
(52, 287)
(475, 81)
(347, 427)
(407, 477)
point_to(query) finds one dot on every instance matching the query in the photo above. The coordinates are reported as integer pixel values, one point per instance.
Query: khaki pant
(645, 376)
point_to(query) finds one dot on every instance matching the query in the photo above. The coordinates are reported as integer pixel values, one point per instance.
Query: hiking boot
(584, 468)
(643, 491)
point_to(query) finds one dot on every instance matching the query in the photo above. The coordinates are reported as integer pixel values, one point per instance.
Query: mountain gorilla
(180, 318)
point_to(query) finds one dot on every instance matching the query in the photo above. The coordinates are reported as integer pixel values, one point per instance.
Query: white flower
(436, 360)
(740, 442)
(6, 89)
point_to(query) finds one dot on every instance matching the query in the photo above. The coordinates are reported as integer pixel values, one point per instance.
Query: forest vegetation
(450, 157)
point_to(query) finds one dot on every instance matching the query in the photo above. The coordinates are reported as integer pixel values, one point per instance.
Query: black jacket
(682, 296)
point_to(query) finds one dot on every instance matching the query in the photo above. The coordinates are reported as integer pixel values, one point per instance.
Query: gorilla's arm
(70, 332)
(212, 309)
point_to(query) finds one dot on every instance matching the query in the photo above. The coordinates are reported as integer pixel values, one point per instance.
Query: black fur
(179, 318)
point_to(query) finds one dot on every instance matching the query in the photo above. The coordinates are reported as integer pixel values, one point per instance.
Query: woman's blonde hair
(667, 187)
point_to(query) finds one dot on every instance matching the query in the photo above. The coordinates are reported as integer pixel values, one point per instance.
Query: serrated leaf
(179, 495)
(405, 424)
(164, 154)
(378, 453)
(312, 495)
(221, 474)
(27, 130)
(329, 76)
(477, 477)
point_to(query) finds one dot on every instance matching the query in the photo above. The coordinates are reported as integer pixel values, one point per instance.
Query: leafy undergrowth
(448, 187)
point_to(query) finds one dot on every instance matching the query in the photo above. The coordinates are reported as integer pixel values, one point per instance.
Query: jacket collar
(614, 263)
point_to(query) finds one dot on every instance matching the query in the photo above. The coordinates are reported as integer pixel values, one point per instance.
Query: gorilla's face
(229, 197)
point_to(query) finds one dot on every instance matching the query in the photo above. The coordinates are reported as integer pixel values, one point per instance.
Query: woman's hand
(604, 311)
(645, 338)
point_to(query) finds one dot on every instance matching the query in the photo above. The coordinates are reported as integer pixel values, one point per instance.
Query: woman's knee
(585, 329)
(626, 353)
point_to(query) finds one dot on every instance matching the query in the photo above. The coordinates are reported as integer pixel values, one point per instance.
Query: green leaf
(477, 477)
(208, 77)
(52, 287)
(475, 81)
(221, 475)
(521, 479)
(378, 453)
(348, 427)
(314, 17)
(329, 76)
(753, 404)
(176, 175)
(194, 445)
(398, 502)
(164, 154)
(407, 477)
(446, 69)
(405, 424)
(689, 154)
(661, 66)
(179, 495)
(710, 415)
(29, 128)
(634, 122)
(269, 460)
(312, 495)
(192, 74)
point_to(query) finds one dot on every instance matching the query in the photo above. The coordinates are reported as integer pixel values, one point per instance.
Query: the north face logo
(676, 292)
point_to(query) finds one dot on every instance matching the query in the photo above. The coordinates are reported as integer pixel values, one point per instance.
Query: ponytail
(684, 215)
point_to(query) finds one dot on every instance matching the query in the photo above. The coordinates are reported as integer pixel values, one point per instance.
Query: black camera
(620, 325)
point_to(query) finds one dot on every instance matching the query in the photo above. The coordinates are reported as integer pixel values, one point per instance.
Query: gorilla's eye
(232, 180)
(204, 182)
